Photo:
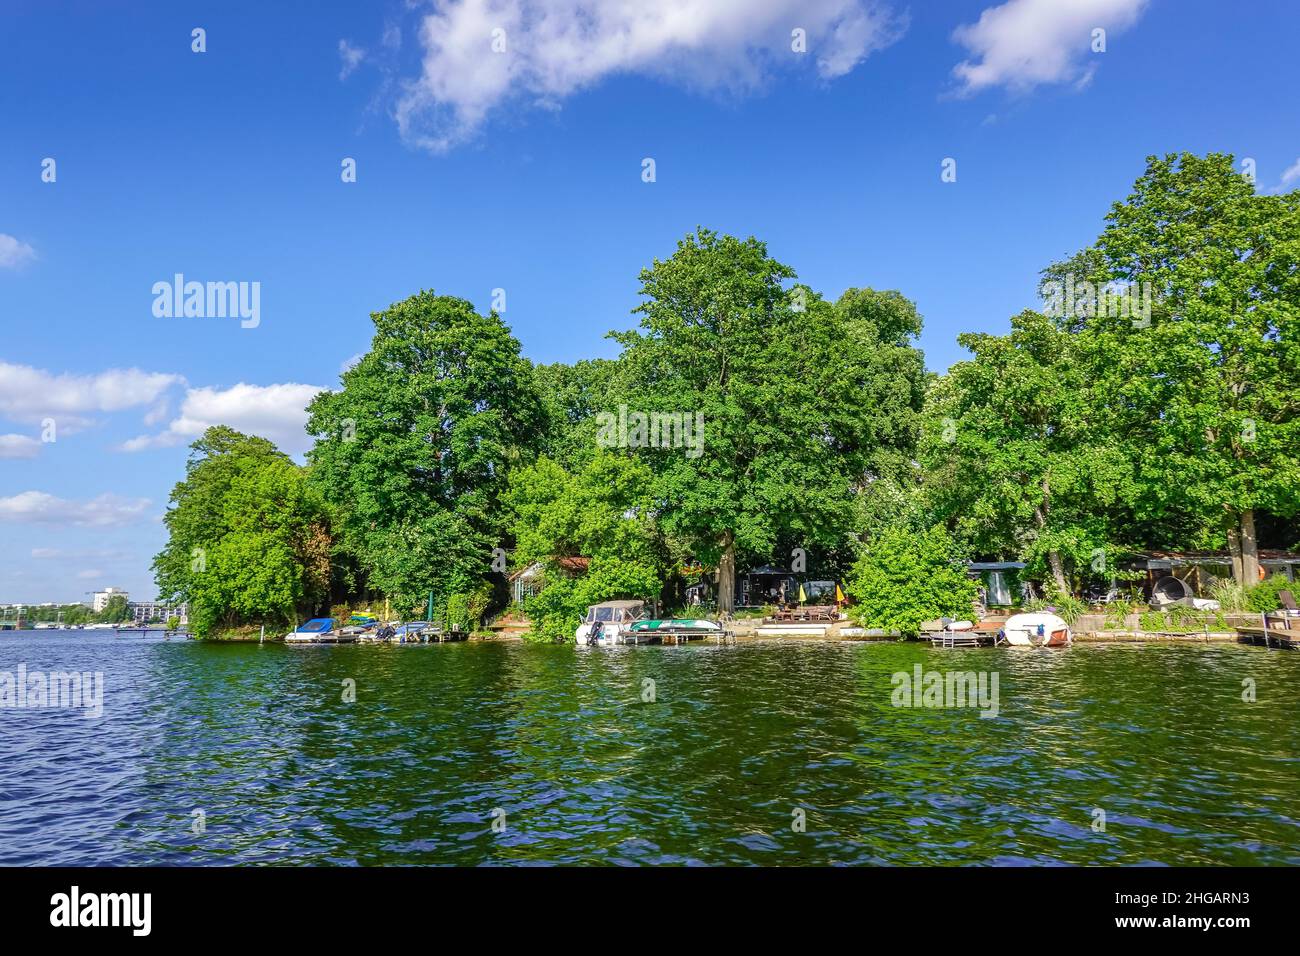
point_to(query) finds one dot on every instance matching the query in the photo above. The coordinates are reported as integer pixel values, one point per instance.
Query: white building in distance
(99, 599)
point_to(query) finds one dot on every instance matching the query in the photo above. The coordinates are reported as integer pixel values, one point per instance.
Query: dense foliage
(603, 513)
(801, 402)
(904, 579)
(1154, 404)
(249, 538)
(415, 449)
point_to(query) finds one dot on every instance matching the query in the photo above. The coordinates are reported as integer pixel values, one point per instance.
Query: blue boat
(319, 630)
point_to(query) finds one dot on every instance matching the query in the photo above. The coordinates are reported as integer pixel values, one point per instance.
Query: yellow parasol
(802, 597)
(839, 595)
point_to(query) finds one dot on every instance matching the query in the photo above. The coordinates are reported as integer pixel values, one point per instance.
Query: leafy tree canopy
(249, 538)
(415, 449)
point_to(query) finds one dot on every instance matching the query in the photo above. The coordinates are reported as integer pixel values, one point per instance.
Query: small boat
(676, 630)
(1037, 629)
(418, 632)
(320, 630)
(610, 623)
(412, 632)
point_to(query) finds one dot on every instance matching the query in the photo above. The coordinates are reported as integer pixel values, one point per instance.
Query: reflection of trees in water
(734, 739)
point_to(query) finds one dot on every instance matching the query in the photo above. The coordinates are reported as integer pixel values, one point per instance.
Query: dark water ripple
(441, 737)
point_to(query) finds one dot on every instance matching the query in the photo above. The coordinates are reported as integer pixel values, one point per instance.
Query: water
(260, 740)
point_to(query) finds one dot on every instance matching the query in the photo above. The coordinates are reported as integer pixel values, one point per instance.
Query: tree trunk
(1053, 557)
(1234, 547)
(727, 575)
(1249, 549)
(1058, 573)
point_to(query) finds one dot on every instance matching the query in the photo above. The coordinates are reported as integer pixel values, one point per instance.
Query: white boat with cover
(1037, 629)
(610, 622)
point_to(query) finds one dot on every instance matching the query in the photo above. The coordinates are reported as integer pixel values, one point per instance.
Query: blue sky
(522, 170)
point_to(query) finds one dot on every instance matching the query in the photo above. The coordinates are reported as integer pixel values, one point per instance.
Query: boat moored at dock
(610, 623)
(677, 630)
(320, 630)
(1037, 629)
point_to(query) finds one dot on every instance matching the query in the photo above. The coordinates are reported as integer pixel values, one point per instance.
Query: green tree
(248, 536)
(904, 579)
(415, 449)
(803, 403)
(572, 396)
(604, 513)
(74, 614)
(1204, 393)
(1013, 461)
(115, 610)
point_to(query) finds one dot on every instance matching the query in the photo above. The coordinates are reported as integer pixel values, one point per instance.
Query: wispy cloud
(14, 252)
(554, 48)
(105, 511)
(18, 446)
(1022, 44)
(351, 57)
(30, 394)
(1291, 175)
(275, 412)
(80, 554)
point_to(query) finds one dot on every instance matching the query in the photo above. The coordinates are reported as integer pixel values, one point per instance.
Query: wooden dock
(970, 638)
(1280, 637)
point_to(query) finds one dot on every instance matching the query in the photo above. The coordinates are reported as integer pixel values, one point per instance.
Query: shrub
(1065, 606)
(1263, 597)
(464, 610)
(1231, 596)
(904, 579)
(558, 608)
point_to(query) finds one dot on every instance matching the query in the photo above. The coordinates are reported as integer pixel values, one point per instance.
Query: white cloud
(14, 252)
(90, 575)
(1025, 43)
(80, 554)
(106, 511)
(1291, 174)
(351, 56)
(275, 412)
(18, 446)
(30, 394)
(555, 48)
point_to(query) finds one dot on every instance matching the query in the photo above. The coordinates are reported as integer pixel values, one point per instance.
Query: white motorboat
(610, 622)
(1037, 629)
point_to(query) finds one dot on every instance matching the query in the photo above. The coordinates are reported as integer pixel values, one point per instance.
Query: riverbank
(1094, 628)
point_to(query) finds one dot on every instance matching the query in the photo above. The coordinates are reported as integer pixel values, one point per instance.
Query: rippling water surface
(559, 738)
